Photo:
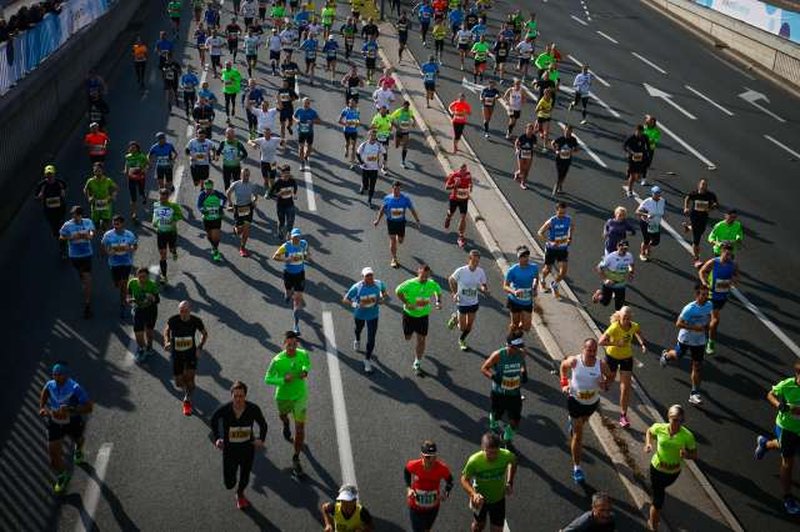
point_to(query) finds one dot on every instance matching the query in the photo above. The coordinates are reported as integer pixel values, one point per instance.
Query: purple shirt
(616, 231)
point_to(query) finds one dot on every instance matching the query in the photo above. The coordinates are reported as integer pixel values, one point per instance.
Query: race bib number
(120, 249)
(397, 213)
(52, 202)
(525, 154)
(637, 157)
(304, 127)
(510, 383)
(183, 343)
(561, 241)
(211, 211)
(243, 210)
(296, 258)
(100, 204)
(425, 499)
(368, 301)
(526, 294)
(701, 206)
(722, 286)
(239, 434)
(60, 417)
(462, 193)
(564, 153)
(163, 160)
(469, 292)
(200, 156)
(586, 395)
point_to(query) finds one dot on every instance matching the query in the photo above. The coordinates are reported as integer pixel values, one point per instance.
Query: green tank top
(510, 367)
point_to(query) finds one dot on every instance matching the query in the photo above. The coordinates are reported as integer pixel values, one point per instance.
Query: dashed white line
(345, 448)
(312, 200)
(709, 100)
(579, 20)
(646, 61)
(607, 37)
(598, 78)
(710, 165)
(92, 494)
(587, 149)
(782, 145)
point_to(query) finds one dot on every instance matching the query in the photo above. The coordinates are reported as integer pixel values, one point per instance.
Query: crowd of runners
(279, 119)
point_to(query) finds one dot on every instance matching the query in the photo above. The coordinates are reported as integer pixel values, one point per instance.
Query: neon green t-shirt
(403, 119)
(790, 391)
(544, 60)
(480, 50)
(135, 161)
(667, 457)
(489, 478)
(231, 81)
(328, 14)
(416, 292)
(282, 365)
(383, 125)
(439, 32)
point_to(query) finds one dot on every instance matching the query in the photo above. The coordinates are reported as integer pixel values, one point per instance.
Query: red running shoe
(187, 408)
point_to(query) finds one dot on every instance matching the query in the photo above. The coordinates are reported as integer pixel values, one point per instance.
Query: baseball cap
(288, 335)
(49, 169)
(367, 271)
(428, 448)
(347, 492)
(623, 243)
(161, 134)
(655, 189)
(58, 369)
(296, 232)
(76, 209)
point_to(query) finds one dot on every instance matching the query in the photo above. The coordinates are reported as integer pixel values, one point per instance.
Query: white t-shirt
(616, 267)
(370, 155)
(215, 44)
(274, 43)
(268, 147)
(383, 98)
(468, 281)
(248, 9)
(265, 119)
(655, 211)
(525, 50)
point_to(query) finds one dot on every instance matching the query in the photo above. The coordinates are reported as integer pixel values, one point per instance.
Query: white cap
(366, 271)
(347, 493)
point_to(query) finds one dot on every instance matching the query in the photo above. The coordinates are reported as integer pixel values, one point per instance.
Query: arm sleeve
(407, 477)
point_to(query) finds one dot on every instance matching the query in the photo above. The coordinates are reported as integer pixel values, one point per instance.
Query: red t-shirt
(426, 483)
(96, 143)
(387, 81)
(460, 111)
(461, 182)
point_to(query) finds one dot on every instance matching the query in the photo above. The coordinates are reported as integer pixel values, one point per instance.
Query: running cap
(288, 335)
(49, 169)
(76, 209)
(331, 37)
(284, 168)
(296, 232)
(523, 251)
(208, 184)
(58, 369)
(428, 448)
(655, 189)
(161, 135)
(367, 271)
(163, 192)
(348, 492)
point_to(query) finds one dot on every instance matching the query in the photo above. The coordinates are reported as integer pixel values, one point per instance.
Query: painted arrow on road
(753, 97)
(658, 93)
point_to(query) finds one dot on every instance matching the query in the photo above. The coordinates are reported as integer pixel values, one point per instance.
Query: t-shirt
(615, 333)
(365, 299)
(480, 50)
(351, 118)
(370, 154)
(701, 202)
(460, 111)
(489, 96)
(231, 81)
(243, 192)
(144, 295)
(162, 154)
(305, 119)
(586, 522)
(655, 211)
(667, 457)
(489, 478)
(468, 283)
(79, 247)
(789, 390)
(294, 256)
(100, 189)
(69, 394)
(284, 191)
(394, 207)
(403, 119)
(268, 148)
(118, 247)
(215, 44)
(520, 278)
(415, 292)
(166, 216)
(426, 483)
(264, 119)
(564, 147)
(183, 333)
(199, 152)
(232, 153)
(616, 268)
(283, 364)
(383, 126)
(52, 193)
(695, 315)
(136, 163)
(383, 98)
(210, 204)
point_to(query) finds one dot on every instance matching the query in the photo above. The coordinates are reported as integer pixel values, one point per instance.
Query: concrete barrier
(765, 50)
(39, 113)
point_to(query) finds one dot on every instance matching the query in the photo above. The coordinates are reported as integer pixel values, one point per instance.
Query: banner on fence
(781, 22)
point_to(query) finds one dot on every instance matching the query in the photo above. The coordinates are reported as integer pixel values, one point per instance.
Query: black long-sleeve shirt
(239, 430)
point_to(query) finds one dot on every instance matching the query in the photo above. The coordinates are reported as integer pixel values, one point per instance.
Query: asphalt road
(752, 174)
(160, 470)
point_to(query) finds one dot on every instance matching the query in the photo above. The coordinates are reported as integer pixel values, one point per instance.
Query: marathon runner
(727, 230)
(174, 8)
(423, 477)
(52, 192)
(653, 134)
(120, 244)
(370, 53)
(200, 38)
(214, 46)
(616, 229)
(136, 164)
(616, 269)
(274, 46)
(211, 203)
(284, 192)
(674, 443)
(370, 156)
(306, 117)
(600, 518)
(636, 147)
(520, 284)
(543, 111)
(501, 48)
(383, 96)
(564, 147)
(268, 146)
(430, 72)
(424, 13)
(460, 111)
(382, 124)
(232, 33)
(524, 50)
(697, 204)
(582, 85)
(719, 274)
(309, 47)
(294, 253)
(328, 16)
(96, 142)
(166, 216)
(163, 48)
(417, 294)
(232, 425)
(350, 120)
(348, 31)
(488, 477)
(582, 377)
(488, 98)
(403, 24)
(331, 50)
(171, 75)
(78, 232)
(617, 340)
(439, 32)
(523, 148)
(64, 403)
(203, 115)
(212, 15)
(256, 106)
(463, 39)
(144, 299)
(459, 183)
(231, 85)
(351, 82)
(346, 512)
(232, 152)
(692, 325)
(200, 152)
(139, 60)
(651, 212)
(189, 83)
(480, 53)
(557, 233)
(514, 98)
(100, 191)
(365, 297)
(394, 208)
(248, 11)
(506, 369)
(288, 372)
(242, 199)
(465, 283)
(180, 340)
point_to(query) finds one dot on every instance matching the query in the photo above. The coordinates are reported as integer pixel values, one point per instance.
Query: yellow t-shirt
(615, 333)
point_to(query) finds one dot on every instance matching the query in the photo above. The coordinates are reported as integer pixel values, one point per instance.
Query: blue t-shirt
(162, 153)
(255, 95)
(365, 298)
(80, 247)
(522, 279)
(352, 119)
(305, 119)
(189, 82)
(720, 279)
(395, 207)
(425, 14)
(429, 71)
(695, 315)
(302, 17)
(330, 49)
(370, 49)
(310, 48)
(164, 45)
(478, 30)
(69, 394)
(116, 245)
(200, 37)
(295, 256)
(456, 16)
(558, 234)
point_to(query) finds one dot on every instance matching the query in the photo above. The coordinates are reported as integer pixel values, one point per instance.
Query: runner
(96, 143)
(564, 147)
(286, 98)
(136, 164)
(557, 233)
(348, 31)
(232, 152)
(523, 148)
(617, 340)
(403, 24)
(200, 152)
(439, 32)
(719, 274)
(417, 294)
(140, 61)
(785, 397)
(171, 75)
(545, 59)
(459, 183)
(101, 192)
(200, 38)
(488, 98)
(351, 82)
(144, 299)
(651, 212)
(616, 270)
(232, 425)
(423, 477)
(350, 120)
(382, 124)
(163, 48)
(430, 73)
(365, 297)
(674, 443)
(692, 325)
(331, 50)
(248, 11)
(599, 519)
(120, 245)
(78, 232)
(500, 49)
(212, 16)
(180, 339)
(636, 147)
(288, 372)
(52, 192)
(197, 8)
(488, 477)
(309, 47)
(460, 111)
(284, 192)
(64, 403)
(727, 230)
(294, 253)
(480, 53)
(524, 54)
(370, 156)
(231, 85)
(289, 36)
(465, 283)
(306, 117)
(582, 378)
(256, 108)
(424, 12)
(697, 204)
(383, 96)
(214, 46)
(166, 216)
(506, 369)
(242, 198)
(346, 513)
(328, 16)
(521, 284)
(616, 229)
(211, 203)
(189, 83)
(544, 109)
(268, 146)
(370, 53)
(274, 46)
(463, 39)
(174, 8)
(514, 98)
(251, 44)
(203, 114)
(232, 33)
(455, 17)
(582, 85)
(394, 208)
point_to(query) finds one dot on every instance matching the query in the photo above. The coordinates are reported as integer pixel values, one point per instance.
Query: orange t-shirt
(139, 52)
(460, 111)
(96, 143)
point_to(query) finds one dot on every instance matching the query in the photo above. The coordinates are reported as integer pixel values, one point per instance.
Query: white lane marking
(129, 360)
(92, 494)
(587, 149)
(339, 408)
(782, 145)
(72, 333)
(477, 88)
(646, 61)
(607, 37)
(709, 100)
(598, 78)
(603, 104)
(312, 201)
(655, 92)
(579, 20)
(752, 97)
(710, 165)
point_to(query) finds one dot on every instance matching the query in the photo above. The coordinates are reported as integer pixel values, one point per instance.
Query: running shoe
(523, 186)
(695, 399)
(216, 255)
(583, 122)
(243, 252)
(367, 366)
(462, 241)
(761, 447)
(452, 320)
(394, 263)
(486, 135)
(356, 345)
(578, 476)
(242, 502)
(791, 506)
(711, 347)
(60, 485)
(508, 434)
(623, 421)
(77, 457)
(462, 344)
(643, 183)
(643, 257)
(187, 407)
(417, 366)
(663, 359)
(162, 279)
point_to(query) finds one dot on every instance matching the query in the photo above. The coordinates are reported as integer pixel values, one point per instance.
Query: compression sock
(162, 264)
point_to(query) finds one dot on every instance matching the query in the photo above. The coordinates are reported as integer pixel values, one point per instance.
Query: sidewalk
(692, 503)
